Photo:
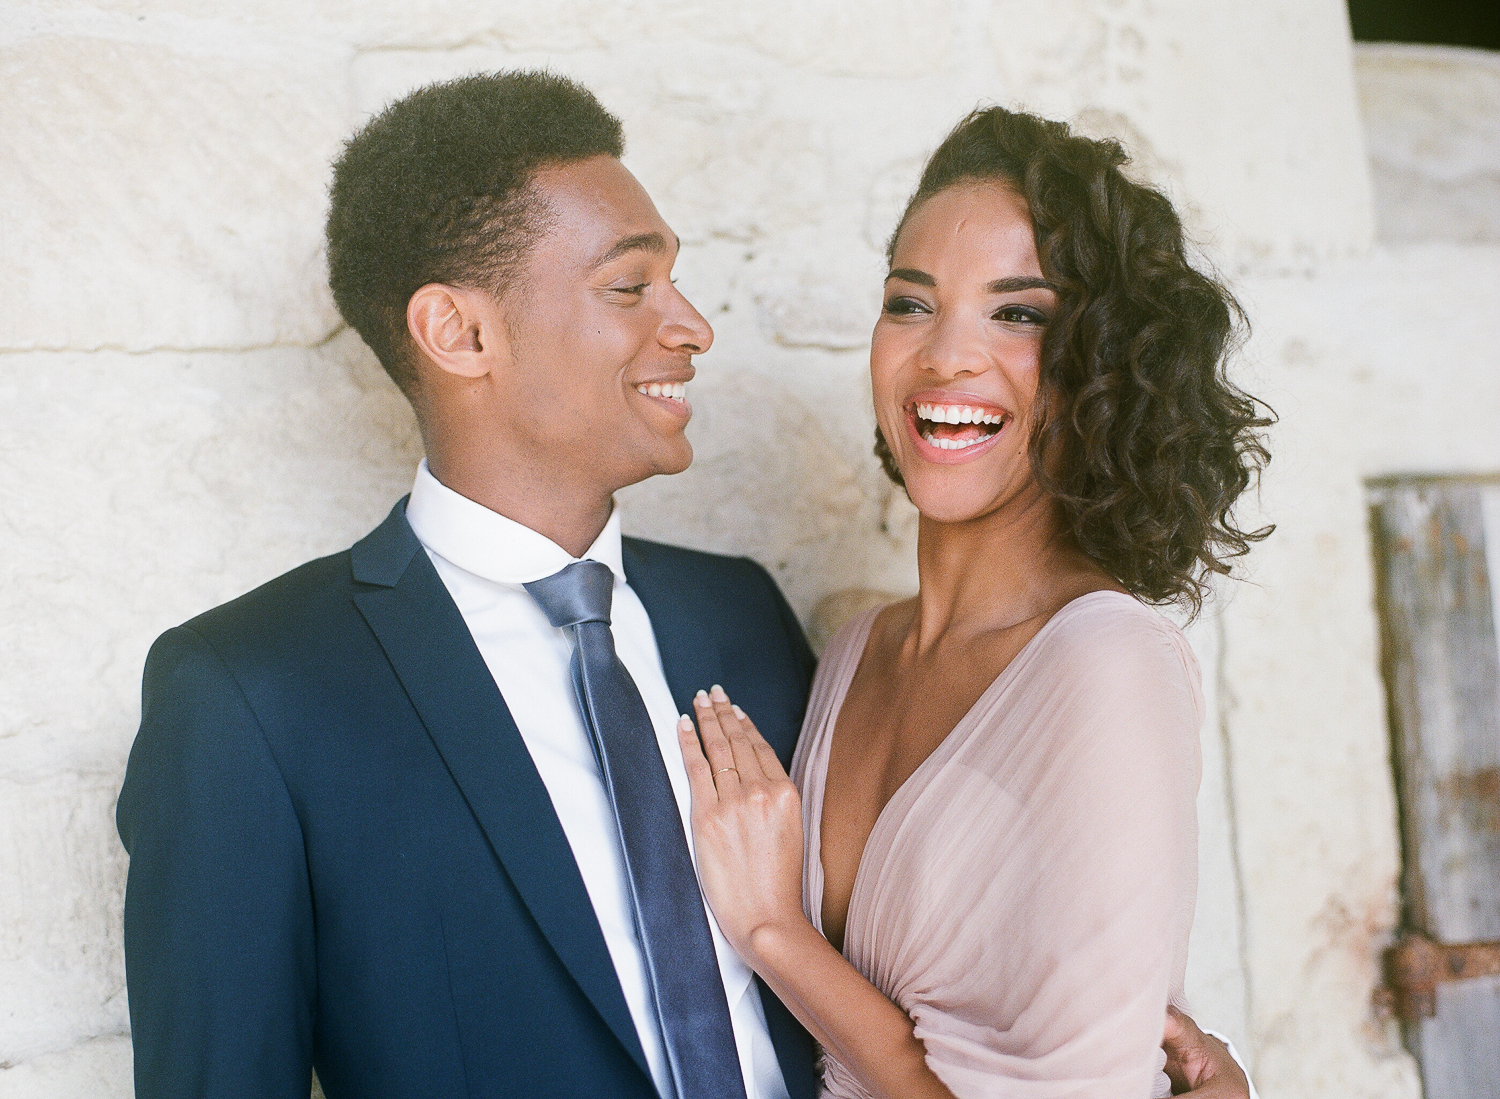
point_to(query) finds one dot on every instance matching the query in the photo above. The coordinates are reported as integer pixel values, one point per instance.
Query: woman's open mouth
(952, 429)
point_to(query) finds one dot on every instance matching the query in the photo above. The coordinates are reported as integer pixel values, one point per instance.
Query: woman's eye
(901, 307)
(637, 290)
(1020, 314)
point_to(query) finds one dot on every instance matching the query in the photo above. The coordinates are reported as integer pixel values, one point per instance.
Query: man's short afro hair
(436, 188)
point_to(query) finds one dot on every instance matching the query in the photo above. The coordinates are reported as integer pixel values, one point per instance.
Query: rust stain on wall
(1473, 796)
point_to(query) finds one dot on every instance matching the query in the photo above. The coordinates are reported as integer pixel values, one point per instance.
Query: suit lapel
(689, 655)
(428, 645)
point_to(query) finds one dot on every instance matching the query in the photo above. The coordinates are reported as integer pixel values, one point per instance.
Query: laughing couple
(501, 803)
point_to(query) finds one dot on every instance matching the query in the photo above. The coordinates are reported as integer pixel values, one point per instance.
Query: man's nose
(684, 328)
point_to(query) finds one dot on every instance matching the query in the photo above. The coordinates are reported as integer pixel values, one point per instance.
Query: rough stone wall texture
(1363, 392)
(181, 416)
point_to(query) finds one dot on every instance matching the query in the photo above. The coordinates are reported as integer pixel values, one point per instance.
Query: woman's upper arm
(1115, 830)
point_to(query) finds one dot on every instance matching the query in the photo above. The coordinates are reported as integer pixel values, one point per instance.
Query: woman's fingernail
(737, 711)
(701, 698)
(684, 723)
(717, 693)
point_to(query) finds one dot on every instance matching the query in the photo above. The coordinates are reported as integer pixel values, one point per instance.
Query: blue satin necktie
(681, 965)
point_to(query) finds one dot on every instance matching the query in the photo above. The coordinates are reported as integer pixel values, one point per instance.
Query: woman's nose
(953, 349)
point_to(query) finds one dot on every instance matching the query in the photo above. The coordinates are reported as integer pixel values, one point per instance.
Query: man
(413, 814)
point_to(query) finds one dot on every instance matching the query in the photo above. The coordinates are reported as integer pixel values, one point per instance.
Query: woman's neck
(999, 570)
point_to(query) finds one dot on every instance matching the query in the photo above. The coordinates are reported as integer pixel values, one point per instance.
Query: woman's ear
(459, 331)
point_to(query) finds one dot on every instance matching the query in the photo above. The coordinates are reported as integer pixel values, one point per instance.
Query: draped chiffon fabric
(1026, 895)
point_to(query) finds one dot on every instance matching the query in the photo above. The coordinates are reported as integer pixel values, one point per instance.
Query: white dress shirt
(483, 559)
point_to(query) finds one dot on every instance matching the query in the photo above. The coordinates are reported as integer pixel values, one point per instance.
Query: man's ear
(460, 331)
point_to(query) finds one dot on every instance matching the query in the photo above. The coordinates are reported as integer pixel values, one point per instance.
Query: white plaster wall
(1433, 130)
(181, 416)
(1390, 365)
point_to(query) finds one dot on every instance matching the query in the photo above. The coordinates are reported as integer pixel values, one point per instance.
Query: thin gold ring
(721, 770)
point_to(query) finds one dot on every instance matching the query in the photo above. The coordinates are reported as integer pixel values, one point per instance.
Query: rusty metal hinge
(1416, 965)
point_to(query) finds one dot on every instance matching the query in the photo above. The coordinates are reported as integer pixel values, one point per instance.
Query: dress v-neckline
(945, 748)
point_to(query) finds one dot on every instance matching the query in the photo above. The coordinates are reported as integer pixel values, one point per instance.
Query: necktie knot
(579, 593)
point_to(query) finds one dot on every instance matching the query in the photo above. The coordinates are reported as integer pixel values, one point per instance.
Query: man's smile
(670, 395)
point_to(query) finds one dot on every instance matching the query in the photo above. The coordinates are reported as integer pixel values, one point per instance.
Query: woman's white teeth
(954, 444)
(957, 414)
(676, 391)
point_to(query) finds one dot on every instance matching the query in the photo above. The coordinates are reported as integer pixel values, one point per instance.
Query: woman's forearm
(847, 1015)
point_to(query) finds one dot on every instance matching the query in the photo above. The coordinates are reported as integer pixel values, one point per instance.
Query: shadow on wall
(1432, 22)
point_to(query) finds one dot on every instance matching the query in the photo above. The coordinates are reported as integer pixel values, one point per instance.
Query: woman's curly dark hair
(1139, 434)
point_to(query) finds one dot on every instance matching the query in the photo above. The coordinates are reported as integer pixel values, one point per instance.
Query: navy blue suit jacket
(343, 858)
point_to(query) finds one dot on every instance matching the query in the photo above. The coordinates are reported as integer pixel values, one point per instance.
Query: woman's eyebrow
(1000, 286)
(911, 274)
(1020, 282)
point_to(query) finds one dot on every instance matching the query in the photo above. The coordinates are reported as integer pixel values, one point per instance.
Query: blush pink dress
(1026, 895)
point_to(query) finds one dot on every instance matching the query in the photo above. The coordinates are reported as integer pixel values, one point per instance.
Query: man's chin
(676, 460)
(681, 463)
(664, 462)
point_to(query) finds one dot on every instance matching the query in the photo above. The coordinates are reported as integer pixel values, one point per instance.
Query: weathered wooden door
(1438, 548)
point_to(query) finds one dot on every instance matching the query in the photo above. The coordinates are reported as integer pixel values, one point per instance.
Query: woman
(998, 776)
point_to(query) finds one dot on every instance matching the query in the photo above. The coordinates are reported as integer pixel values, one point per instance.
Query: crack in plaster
(69, 1048)
(188, 349)
(1225, 696)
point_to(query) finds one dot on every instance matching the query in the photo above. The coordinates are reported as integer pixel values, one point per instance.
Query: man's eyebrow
(641, 242)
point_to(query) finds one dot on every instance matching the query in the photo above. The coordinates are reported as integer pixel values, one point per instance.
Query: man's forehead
(602, 210)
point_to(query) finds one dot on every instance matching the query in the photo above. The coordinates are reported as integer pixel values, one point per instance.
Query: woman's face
(956, 353)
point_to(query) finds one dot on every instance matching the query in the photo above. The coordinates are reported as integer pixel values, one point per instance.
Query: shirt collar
(489, 545)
